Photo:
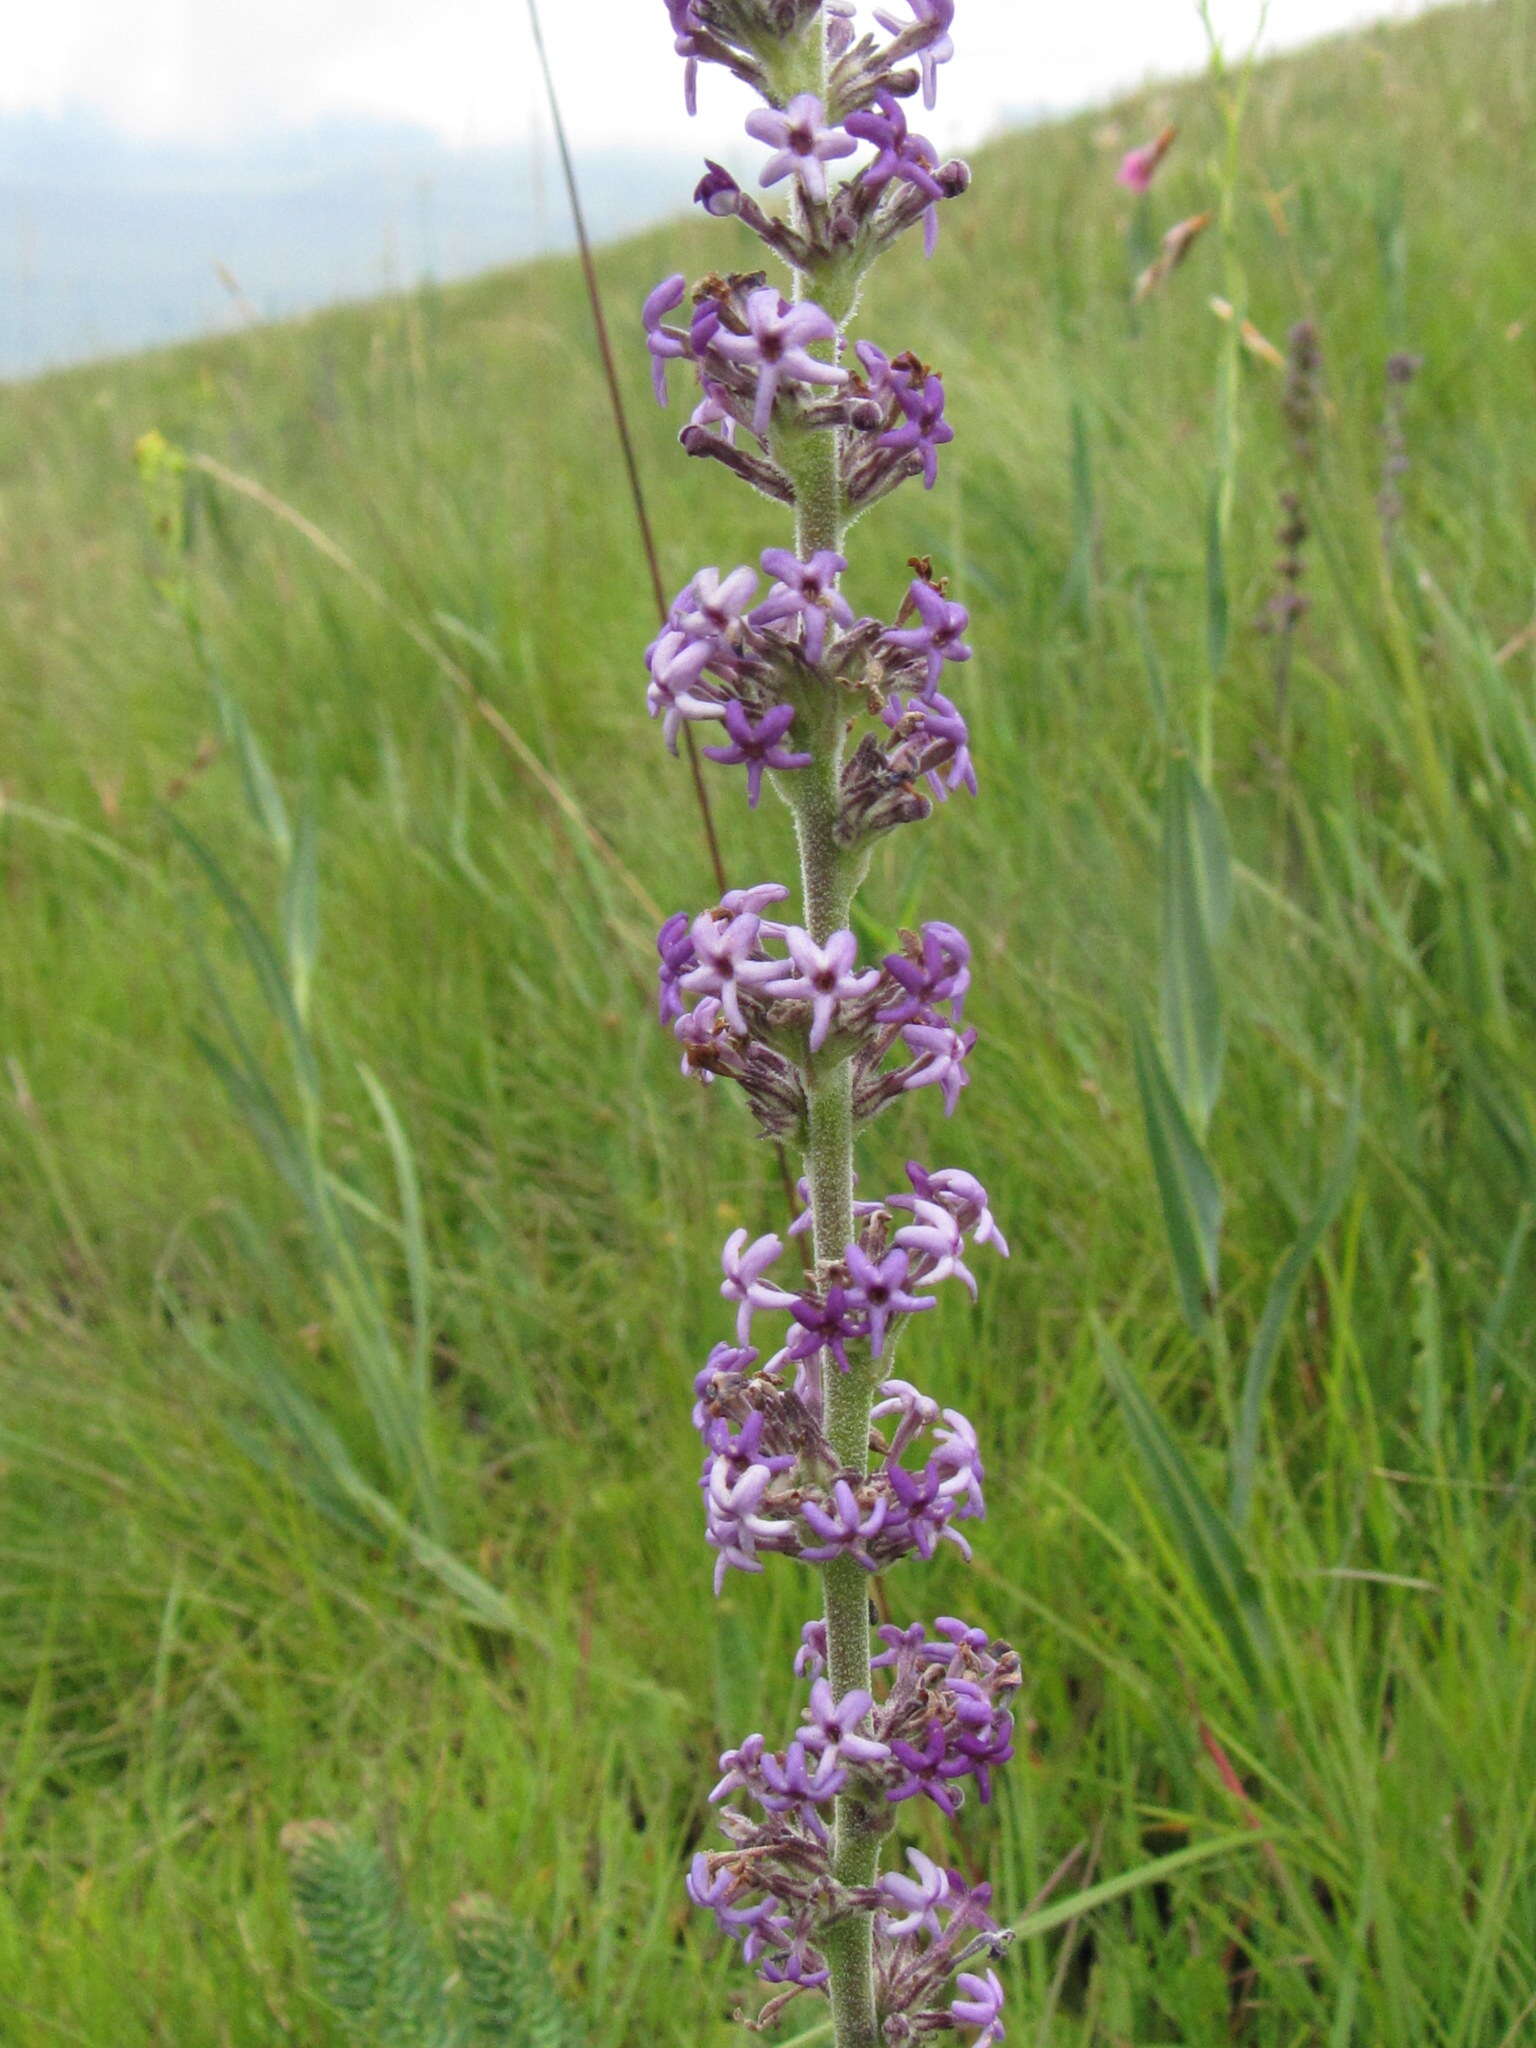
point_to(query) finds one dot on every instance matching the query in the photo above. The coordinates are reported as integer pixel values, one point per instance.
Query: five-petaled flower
(802, 144)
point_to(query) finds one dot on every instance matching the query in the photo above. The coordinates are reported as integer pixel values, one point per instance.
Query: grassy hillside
(210, 1633)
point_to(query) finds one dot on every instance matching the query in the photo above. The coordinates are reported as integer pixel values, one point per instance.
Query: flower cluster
(756, 1001)
(942, 1716)
(812, 1450)
(725, 658)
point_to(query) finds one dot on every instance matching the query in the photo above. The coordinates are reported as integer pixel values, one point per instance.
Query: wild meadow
(358, 1232)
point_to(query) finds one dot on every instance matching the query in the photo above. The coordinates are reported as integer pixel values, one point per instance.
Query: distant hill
(108, 244)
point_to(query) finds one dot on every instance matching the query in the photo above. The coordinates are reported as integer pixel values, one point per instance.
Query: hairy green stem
(829, 876)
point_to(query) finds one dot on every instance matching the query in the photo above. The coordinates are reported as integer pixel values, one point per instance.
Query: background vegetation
(347, 1459)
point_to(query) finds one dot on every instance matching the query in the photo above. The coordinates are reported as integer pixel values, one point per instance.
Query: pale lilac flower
(806, 591)
(664, 347)
(932, 18)
(726, 966)
(753, 902)
(961, 1193)
(915, 1900)
(942, 1052)
(802, 145)
(834, 1724)
(824, 977)
(811, 1657)
(938, 1243)
(779, 335)
(744, 1266)
(980, 2004)
(957, 1459)
(757, 745)
(709, 606)
(938, 638)
(734, 1526)
(672, 695)
(879, 1289)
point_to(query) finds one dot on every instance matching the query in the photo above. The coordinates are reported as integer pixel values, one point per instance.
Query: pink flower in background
(1138, 167)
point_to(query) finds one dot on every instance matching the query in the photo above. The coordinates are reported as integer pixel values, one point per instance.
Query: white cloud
(211, 69)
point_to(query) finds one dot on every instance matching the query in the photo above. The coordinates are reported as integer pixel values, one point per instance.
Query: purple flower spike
(824, 977)
(757, 745)
(806, 591)
(744, 1266)
(938, 637)
(942, 1053)
(925, 430)
(802, 146)
(879, 1290)
(664, 347)
(980, 2004)
(776, 344)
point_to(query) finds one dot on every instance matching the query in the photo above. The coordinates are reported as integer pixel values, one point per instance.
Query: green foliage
(409, 608)
(385, 1979)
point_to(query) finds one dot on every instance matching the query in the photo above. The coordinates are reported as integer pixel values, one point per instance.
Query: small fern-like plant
(389, 1983)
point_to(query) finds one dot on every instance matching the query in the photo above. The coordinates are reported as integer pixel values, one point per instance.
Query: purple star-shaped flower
(757, 745)
(962, 1194)
(802, 144)
(942, 1052)
(941, 975)
(744, 1266)
(710, 605)
(844, 1531)
(834, 1722)
(677, 667)
(880, 1291)
(899, 155)
(675, 948)
(664, 347)
(938, 637)
(776, 344)
(925, 429)
(912, 1902)
(806, 591)
(980, 2004)
(793, 1784)
(828, 1325)
(726, 966)
(824, 977)
(936, 1241)
(927, 35)
(946, 743)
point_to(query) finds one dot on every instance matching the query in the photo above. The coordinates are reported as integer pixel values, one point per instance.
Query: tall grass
(1276, 1611)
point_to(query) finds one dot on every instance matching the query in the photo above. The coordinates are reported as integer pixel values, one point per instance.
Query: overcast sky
(209, 70)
